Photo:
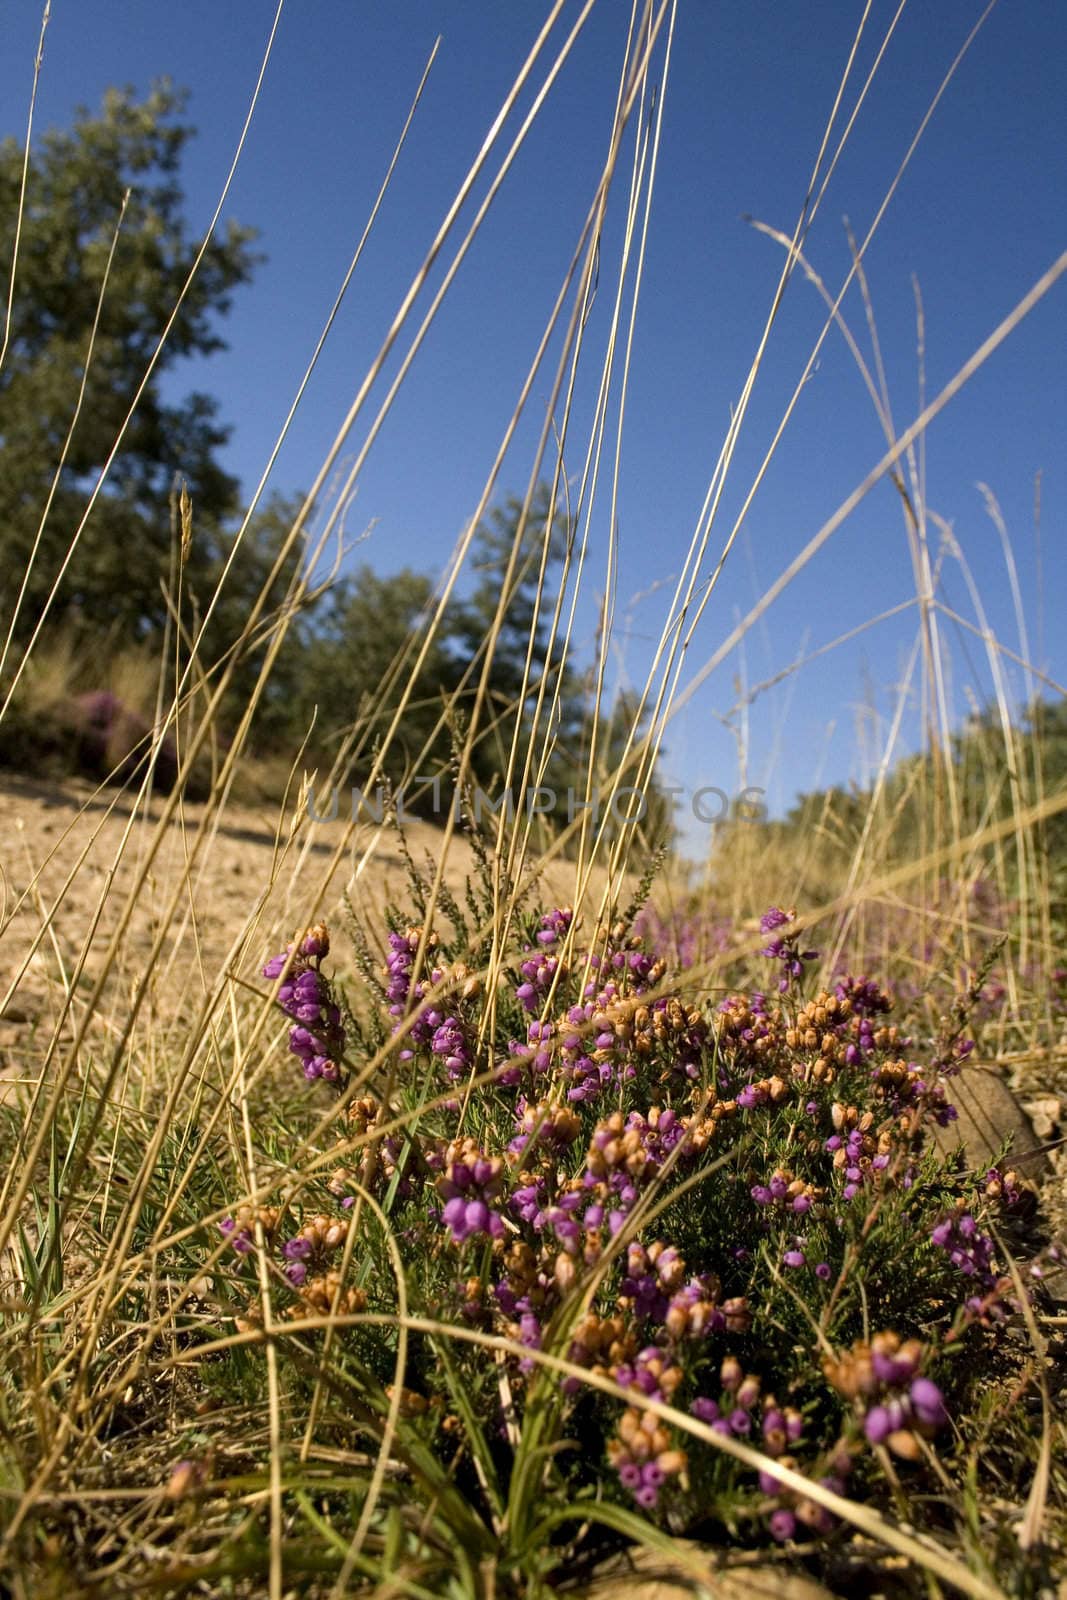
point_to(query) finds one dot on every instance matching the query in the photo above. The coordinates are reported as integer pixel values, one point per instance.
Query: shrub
(689, 1258)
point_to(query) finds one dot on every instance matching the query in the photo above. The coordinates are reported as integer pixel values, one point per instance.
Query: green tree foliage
(225, 593)
(80, 341)
(517, 567)
(73, 203)
(352, 678)
(370, 622)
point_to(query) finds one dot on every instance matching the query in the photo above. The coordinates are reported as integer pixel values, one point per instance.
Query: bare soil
(71, 857)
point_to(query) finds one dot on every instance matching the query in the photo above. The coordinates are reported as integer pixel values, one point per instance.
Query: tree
(73, 202)
(368, 619)
(529, 599)
(346, 669)
(567, 711)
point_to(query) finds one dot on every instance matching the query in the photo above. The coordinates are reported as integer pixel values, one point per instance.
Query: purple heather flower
(240, 1239)
(783, 1525)
(774, 918)
(318, 1035)
(773, 1421)
(448, 1042)
(877, 1424)
(929, 1404)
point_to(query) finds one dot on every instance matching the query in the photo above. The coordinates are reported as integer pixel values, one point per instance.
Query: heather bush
(597, 1244)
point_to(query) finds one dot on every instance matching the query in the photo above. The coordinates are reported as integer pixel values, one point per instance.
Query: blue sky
(980, 214)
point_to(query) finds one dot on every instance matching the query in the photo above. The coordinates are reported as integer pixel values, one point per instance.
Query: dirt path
(70, 854)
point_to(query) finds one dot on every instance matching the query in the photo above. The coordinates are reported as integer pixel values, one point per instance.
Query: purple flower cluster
(731, 1413)
(449, 1043)
(470, 1183)
(296, 1253)
(594, 1049)
(851, 1161)
(540, 1123)
(529, 1334)
(539, 969)
(634, 963)
(895, 1402)
(923, 1403)
(1003, 1186)
(783, 948)
(866, 1003)
(601, 1108)
(785, 1192)
(554, 926)
(538, 972)
(239, 1229)
(968, 1249)
(783, 1427)
(402, 948)
(318, 1238)
(641, 1453)
(317, 1037)
(865, 997)
(626, 1153)
(403, 996)
(651, 1276)
(240, 1238)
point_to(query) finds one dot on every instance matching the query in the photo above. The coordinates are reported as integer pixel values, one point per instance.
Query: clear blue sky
(982, 211)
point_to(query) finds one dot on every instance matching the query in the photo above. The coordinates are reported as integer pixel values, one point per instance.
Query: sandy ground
(71, 855)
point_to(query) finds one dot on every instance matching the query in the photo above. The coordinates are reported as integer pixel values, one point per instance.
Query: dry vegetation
(159, 1434)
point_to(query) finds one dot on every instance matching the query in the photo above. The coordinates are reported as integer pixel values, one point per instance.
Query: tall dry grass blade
(21, 211)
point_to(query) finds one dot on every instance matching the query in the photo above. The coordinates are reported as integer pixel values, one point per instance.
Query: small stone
(1045, 1115)
(989, 1114)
